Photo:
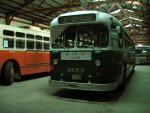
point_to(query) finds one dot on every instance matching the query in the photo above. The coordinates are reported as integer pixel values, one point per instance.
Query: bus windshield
(83, 36)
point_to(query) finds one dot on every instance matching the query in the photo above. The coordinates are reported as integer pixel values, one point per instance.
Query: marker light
(55, 61)
(97, 63)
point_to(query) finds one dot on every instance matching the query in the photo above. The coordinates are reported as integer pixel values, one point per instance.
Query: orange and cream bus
(22, 51)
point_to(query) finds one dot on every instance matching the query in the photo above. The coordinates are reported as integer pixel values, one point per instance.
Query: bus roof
(18, 29)
(100, 17)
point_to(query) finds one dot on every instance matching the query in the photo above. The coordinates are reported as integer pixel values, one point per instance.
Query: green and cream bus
(90, 50)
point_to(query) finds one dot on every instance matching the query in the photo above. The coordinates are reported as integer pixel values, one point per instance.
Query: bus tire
(17, 76)
(9, 73)
(0, 77)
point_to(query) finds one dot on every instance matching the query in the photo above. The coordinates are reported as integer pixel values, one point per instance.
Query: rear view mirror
(118, 29)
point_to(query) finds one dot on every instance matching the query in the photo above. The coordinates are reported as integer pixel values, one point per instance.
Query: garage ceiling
(133, 14)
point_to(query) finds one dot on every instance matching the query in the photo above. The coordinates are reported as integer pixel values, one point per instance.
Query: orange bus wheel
(9, 73)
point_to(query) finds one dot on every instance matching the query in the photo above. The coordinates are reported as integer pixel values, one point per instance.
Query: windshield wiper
(62, 46)
(59, 45)
(85, 46)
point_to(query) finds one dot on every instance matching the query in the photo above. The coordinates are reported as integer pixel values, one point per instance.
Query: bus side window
(38, 45)
(30, 36)
(38, 37)
(30, 44)
(46, 46)
(20, 34)
(8, 43)
(20, 44)
(46, 43)
(8, 33)
(46, 38)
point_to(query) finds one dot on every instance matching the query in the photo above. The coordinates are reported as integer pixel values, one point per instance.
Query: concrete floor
(36, 96)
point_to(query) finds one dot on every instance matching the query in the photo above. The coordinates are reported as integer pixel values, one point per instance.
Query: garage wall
(2, 20)
(18, 21)
(15, 21)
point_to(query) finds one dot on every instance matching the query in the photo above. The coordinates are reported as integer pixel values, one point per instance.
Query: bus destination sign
(75, 55)
(77, 18)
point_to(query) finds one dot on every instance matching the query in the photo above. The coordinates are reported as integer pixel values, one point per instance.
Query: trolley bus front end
(88, 70)
(90, 50)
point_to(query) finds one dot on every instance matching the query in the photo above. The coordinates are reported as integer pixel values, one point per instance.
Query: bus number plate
(76, 77)
(75, 55)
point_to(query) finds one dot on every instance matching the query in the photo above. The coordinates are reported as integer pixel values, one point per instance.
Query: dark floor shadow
(92, 96)
(34, 76)
(30, 77)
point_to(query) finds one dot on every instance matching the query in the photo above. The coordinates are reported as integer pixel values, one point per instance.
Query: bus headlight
(55, 61)
(97, 63)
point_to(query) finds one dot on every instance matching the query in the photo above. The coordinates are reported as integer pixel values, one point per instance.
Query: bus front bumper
(83, 86)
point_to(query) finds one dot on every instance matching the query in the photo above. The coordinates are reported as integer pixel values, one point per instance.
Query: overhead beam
(134, 22)
(138, 27)
(104, 2)
(71, 2)
(13, 13)
(25, 13)
(145, 23)
(114, 1)
(125, 15)
(128, 13)
(111, 7)
(58, 8)
(139, 33)
(42, 2)
(141, 39)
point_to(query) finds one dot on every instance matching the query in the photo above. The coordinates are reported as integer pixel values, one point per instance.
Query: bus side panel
(36, 62)
(18, 56)
(35, 69)
(37, 57)
(130, 61)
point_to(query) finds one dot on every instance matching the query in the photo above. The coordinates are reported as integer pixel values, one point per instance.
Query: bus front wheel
(9, 73)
